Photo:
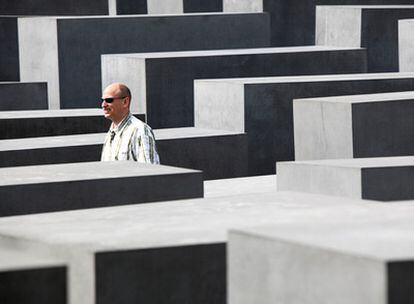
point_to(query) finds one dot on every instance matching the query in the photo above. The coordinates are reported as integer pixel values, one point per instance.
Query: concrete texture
(52, 49)
(31, 279)
(232, 104)
(372, 27)
(47, 188)
(23, 96)
(370, 125)
(293, 21)
(219, 154)
(155, 239)
(54, 8)
(406, 45)
(163, 82)
(22, 124)
(377, 178)
(240, 185)
(105, 7)
(9, 49)
(311, 262)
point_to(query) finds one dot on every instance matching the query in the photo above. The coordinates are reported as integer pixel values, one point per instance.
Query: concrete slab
(105, 7)
(373, 27)
(47, 188)
(219, 154)
(22, 124)
(23, 96)
(377, 178)
(52, 49)
(53, 8)
(370, 125)
(114, 250)
(163, 82)
(293, 21)
(9, 50)
(405, 45)
(26, 278)
(313, 262)
(240, 185)
(262, 107)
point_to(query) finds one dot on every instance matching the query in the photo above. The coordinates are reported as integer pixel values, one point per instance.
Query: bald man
(128, 137)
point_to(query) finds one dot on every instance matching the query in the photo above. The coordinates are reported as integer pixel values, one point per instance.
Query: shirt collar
(122, 124)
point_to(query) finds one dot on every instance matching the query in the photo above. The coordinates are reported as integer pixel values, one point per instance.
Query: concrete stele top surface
(11, 260)
(362, 98)
(359, 163)
(310, 78)
(234, 52)
(20, 82)
(193, 221)
(82, 171)
(369, 6)
(135, 15)
(51, 113)
(98, 138)
(383, 240)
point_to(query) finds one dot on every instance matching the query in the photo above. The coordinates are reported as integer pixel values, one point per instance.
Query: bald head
(118, 89)
(116, 99)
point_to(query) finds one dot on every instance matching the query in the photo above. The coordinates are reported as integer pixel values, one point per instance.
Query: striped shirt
(131, 140)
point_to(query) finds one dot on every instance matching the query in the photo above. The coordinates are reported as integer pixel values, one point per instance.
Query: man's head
(116, 99)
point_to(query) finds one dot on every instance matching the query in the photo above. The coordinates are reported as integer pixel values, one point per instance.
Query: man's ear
(127, 101)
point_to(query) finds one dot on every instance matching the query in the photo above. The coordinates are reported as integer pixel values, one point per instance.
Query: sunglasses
(111, 99)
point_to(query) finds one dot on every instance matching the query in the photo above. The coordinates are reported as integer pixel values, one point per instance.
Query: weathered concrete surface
(163, 81)
(377, 178)
(311, 262)
(219, 154)
(370, 125)
(57, 49)
(232, 104)
(23, 96)
(105, 7)
(151, 234)
(406, 45)
(47, 188)
(31, 279)
(9, 49)
(21, 124)
(54, 8)
(240, 185)
(293, 21)
(373, 27)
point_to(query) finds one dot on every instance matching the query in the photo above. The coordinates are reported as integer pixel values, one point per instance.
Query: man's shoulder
(139, 125)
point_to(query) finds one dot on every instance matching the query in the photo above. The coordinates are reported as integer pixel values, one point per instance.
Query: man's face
(116, 109)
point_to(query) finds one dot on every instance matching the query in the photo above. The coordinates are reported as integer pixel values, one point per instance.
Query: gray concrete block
(9, 49)
(311, 262)
(23, 96)
(381, 178)
(406, 45)
(293, 21)
(29, 279)
(21, 124)
(263, 107)
(177, 246)
(156, 239)
(54, 8)
(219, 154)
(105, 7)
(163, 82)
(47, 188)
(373, 27)
(370, 125)
(57, 49)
